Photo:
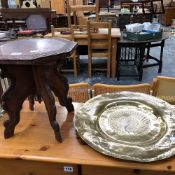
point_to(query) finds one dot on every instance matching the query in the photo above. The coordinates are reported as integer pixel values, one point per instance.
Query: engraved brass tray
(128, 125)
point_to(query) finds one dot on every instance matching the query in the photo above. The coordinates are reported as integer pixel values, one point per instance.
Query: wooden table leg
(20, 87)
(47, 80)
(40, 80)
(60, 87)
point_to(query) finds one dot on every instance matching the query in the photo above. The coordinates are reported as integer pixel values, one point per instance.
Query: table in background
(82, 40)
(33, 150)
(160, 42)
(31, 66)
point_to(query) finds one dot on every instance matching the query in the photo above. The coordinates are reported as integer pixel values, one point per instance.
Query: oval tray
(128, 125)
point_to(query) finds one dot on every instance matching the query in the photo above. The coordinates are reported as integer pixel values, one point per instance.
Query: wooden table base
(29, 80)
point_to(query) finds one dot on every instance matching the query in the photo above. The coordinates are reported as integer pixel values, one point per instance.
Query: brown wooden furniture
(78, 10)
(140, 11)
(74, 57)
(129, 18)
(19, 13)
(58, 6)
(34, 151)
(163, 87)
(82, 39)
(166, 18)
(31, 65)
(147, 6)
(99, 45)
(100, 88)
(79, 92)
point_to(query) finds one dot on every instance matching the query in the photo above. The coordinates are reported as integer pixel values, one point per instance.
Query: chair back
(163, 87)
(100, 88)
(78, 10)
(129, 54)
(80, 92)
(99, 43)
(67, 31)
(71, 63)
(99, 35)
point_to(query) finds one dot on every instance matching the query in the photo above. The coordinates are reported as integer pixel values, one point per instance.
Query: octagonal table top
(35, 50)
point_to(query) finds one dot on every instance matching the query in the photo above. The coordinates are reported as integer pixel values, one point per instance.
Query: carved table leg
(60, 87)
(20, 87)
(31, 102)
(42, 77)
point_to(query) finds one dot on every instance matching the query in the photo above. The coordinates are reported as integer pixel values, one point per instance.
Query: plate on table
(128, 125)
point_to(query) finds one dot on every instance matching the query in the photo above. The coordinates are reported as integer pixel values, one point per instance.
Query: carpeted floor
(148, 73)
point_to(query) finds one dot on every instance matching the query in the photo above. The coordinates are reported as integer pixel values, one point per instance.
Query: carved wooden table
(31, 66)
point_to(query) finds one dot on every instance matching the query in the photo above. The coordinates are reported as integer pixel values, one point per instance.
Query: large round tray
(128, 125)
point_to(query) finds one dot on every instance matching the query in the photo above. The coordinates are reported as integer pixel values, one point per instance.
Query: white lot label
(68, 169)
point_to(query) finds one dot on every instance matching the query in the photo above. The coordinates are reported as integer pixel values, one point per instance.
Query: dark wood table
(31, 66)
(159, 42)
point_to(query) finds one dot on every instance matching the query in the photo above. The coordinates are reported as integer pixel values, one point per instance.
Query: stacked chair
(78, 10)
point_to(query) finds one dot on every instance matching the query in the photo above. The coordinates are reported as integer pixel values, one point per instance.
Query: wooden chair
(80, 92)
(100, 88)
(73, 57)
(78, 10)
(99, 44)
(105, 4)
(163, 87)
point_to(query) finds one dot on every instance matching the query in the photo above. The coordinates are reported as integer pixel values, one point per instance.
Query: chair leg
(108, 68)
(147, 54)
(75, 65)
(118, 72)
(90, 65)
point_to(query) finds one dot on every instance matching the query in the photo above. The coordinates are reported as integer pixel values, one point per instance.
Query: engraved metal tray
(128, 125)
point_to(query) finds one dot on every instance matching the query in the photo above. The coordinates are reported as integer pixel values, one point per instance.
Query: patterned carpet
(148, 73)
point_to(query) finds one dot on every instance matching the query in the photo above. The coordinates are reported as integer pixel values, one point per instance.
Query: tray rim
(167, 106)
